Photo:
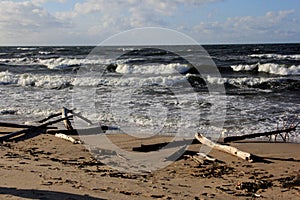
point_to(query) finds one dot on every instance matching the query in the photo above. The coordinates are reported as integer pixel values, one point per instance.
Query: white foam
(246, 81)
(26, 48)
(279, 69)
(243, 67)
(44, 81)
(276, 56)
(152, 69)
(54, 63)
(270, 68)
(45, 52)
(138, 82)
(54, 81)
(7, 78)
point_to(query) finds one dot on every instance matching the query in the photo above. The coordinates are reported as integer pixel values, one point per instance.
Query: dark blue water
(148, 87)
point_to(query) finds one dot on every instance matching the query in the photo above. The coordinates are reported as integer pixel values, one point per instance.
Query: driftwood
(79, 116)
(31, 129)
(200, 158)
(67, 123)
(66, 111)
(206, 157)
(254, 135)
(228, 149)
(66, 137)
(88, 131)
(11, 125)
(49, 117)
(286, 130)
(44, 127)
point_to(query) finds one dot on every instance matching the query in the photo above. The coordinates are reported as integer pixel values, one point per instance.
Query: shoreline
(47, 167)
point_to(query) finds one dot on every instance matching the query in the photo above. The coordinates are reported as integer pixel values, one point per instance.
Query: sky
(89, 22)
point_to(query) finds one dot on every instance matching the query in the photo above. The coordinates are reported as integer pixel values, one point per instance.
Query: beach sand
(46, 167)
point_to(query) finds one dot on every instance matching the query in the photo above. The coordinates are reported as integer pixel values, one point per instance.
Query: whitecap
(152, 69)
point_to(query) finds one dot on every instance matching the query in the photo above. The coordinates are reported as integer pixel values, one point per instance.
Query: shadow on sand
(43, 194)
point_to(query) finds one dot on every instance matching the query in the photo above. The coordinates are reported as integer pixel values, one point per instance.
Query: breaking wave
(276, 56)
(270, 68)
(152, 69)
(52, 63)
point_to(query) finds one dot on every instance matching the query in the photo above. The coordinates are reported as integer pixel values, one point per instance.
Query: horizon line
(205, 44)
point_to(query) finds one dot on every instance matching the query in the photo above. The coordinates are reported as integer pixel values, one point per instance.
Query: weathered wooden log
(31, 129)
(254, 135)
(66, 137)
(88, 131)
(228, 149)
(67, 123)
(49, 117)
(12, 125)
(80, 116)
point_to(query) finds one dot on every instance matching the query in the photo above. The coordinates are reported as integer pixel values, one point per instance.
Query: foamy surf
(271, 68)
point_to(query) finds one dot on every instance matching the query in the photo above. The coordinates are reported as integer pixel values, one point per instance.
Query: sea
(156, 90)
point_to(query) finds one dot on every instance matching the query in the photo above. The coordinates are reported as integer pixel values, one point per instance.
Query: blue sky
(85, 22)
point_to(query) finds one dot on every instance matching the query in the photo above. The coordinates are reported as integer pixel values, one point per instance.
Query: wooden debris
(11, 125)
(31, 129)
(206, 157)
(80, 116)
(228, 149)
(254, 135)
(288, 127)
(88, 131)
(67, 123)
(69, 138)
(49, 117)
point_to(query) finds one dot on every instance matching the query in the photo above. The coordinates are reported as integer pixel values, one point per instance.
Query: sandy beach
(46, 167)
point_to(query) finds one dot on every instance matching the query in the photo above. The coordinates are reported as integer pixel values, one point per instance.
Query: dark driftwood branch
(67, 123)
(254, 135)
(31, 129)
(88, 131)
(50, 117)
(80, 116)
(64, 117)
(11, 125)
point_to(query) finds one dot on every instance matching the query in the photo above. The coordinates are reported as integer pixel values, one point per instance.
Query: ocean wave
(53, 63)
(36, 80)
(26, 48)
(133, 81)
(270, 68)
(65, 81)
(267, 84)
(45, 52)
(151, 69)
(276, 56)
(62, 81)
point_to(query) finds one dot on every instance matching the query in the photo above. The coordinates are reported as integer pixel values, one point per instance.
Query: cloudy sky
(85, 22)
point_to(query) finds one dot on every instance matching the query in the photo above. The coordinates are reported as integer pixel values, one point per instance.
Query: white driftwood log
(66, 137)
(228, 149)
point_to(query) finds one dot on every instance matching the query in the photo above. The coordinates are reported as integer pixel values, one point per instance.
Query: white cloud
(39, 2)
(118, 15)
(91, 21)
(236, 29)
(25, 20)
